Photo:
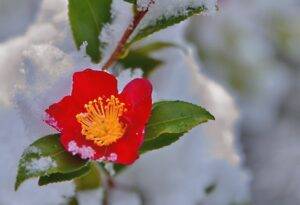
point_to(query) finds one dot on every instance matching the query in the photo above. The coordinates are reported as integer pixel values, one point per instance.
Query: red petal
(137, 96)
(75, 143)
(62, 114)
(127, 148)
(90, 84)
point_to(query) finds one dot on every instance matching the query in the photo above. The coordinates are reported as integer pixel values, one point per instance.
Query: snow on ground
(253, 48)
(36, 71)
(19, 16)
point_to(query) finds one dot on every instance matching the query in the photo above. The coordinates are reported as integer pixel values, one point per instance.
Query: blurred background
(252, 48)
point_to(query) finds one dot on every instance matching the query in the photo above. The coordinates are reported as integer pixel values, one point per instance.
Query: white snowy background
(253, 49)
(256, 59)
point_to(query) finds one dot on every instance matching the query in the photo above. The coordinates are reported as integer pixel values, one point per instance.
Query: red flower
(98, 123)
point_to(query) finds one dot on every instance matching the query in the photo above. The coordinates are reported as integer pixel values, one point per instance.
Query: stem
(105, 200)
(130, 29)
(108, 185)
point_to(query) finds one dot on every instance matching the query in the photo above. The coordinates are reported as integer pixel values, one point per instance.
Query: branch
(126, 35)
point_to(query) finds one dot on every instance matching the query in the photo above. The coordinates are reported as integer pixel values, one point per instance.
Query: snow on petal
(86, 152)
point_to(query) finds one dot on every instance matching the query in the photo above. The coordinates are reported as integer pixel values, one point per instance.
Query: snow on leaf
(165, 13)
(46, 156)
(40, 165)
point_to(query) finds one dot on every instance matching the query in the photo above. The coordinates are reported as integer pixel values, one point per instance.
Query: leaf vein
(93, 16)
(173, 120)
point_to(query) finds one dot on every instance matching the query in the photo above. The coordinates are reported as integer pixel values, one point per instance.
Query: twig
(108, 185)
(105, 199)
(126, 35)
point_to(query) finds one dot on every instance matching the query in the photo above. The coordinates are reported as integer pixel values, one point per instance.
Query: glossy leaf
(92, 180)
(170, 120)
(144, 62)
(87, 18)
(160, 142)
(45, 157)
(60, 177)
(119, 168)
(141, 57)
(131, 1)
(164, 22)
(155, 46)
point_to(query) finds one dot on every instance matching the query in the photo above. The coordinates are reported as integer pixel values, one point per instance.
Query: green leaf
(60, 177)
(119, 168)
(170, 120)
(164, 22)
(155, 46)
(92, 180)
(72, 201)
(162, 141)
(45, 157)
(87, 18)
(141, 57)
(131, 1)
(137, 60)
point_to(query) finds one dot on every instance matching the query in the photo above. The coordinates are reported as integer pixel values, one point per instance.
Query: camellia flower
(98, 123)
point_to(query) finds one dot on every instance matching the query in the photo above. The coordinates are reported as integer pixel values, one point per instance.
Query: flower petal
(137, 96)
(62, 115)
(76, 144)
(126, 150)
(90, 84)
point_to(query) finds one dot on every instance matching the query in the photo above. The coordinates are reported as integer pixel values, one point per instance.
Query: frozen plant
(106, 117)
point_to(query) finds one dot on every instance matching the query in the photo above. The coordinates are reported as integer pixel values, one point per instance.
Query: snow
(143, 5)
(111, 33)
(86, 152)
(32, 150)
(92, 197)
(40, 165)
(13, 141)
(210, 149)
(110, 168)
(121, 197)
(28, 80)
(254, 44)
(24, 11)
(112, 157)
(164, 9)
(169, 8)
(126, 76)
(36, 70)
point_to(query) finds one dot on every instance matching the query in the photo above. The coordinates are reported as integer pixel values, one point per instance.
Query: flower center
(101, 121)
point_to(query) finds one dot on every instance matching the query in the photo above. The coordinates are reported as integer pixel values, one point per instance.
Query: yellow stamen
(101, 121)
